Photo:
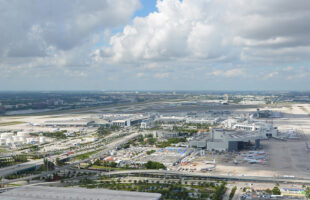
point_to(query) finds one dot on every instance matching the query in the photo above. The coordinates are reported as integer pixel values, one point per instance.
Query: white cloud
(161, 75)
(238, 72)
(28, 28)
(140, 74)
(36, 35)
(183, 40)
(216, 31)
(289, 68)
(271, 75)
(289, 73)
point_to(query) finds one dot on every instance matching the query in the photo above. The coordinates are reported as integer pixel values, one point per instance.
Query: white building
(266, 130)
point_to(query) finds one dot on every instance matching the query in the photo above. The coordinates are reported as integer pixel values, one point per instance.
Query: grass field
(11, 123)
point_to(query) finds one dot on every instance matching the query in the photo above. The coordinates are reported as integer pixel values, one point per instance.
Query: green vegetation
(307, 191)
(126, 146)
(150, 152)
(169, 190)
(198, 125)
(191, 128)
(140, 140)
(104, 165)
(151, 141)
(11, 123)
(100, 167)
(58, 134)
(59, 162)
(34, 148)
(3, 150)
(232, 192)
(47, 165)
(15, 176)
(109, 164)
(169, 142)
(4, 162)
(84, 156)
(148, 140)
(269, 191)
(154, 165)
(276, 191)
(104, 131)
(185, 130)
(220, 191)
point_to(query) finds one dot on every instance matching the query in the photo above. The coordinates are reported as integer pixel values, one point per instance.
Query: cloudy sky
(154, 45)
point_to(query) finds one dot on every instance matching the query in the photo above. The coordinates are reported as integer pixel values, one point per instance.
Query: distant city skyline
(149, 45)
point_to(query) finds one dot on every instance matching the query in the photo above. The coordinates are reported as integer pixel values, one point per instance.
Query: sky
(154, 45)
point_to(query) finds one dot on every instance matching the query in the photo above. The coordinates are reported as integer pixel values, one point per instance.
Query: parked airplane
(208, 168)
(257, 152)
(307, 147)
(253, 161)
(210, 162)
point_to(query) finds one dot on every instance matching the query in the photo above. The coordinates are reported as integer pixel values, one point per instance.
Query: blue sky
(182, 45)
(148, 6)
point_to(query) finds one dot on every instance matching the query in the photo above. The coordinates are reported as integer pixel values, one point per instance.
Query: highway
(108, 148)
(125, 139)
(211, 176)
(165, 172)
(24, 166)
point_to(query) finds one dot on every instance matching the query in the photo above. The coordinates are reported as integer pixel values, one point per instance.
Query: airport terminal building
(226, 140)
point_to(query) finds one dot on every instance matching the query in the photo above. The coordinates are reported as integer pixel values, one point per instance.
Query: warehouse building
(232, 140)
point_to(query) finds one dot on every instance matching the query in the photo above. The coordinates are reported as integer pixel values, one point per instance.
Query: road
(24, 166)
(108, 148)
(218, 177)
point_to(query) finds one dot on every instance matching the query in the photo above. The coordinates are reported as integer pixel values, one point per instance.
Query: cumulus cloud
(161, 75)
(288, 73)
(29, 28)
(216, 31)
(182, 40)
(238, 72)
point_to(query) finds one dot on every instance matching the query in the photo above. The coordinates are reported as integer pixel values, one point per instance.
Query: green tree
(232, 193)
(103, 131)
(154, 165)
(220, 191)
(97, 162)
(59, 162)
(48, 165)
(276, 191)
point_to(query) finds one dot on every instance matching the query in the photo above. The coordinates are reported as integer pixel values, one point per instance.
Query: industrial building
(166, 134)
(199, 141)
(57, 193)
(231, 140)
(225, 140)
